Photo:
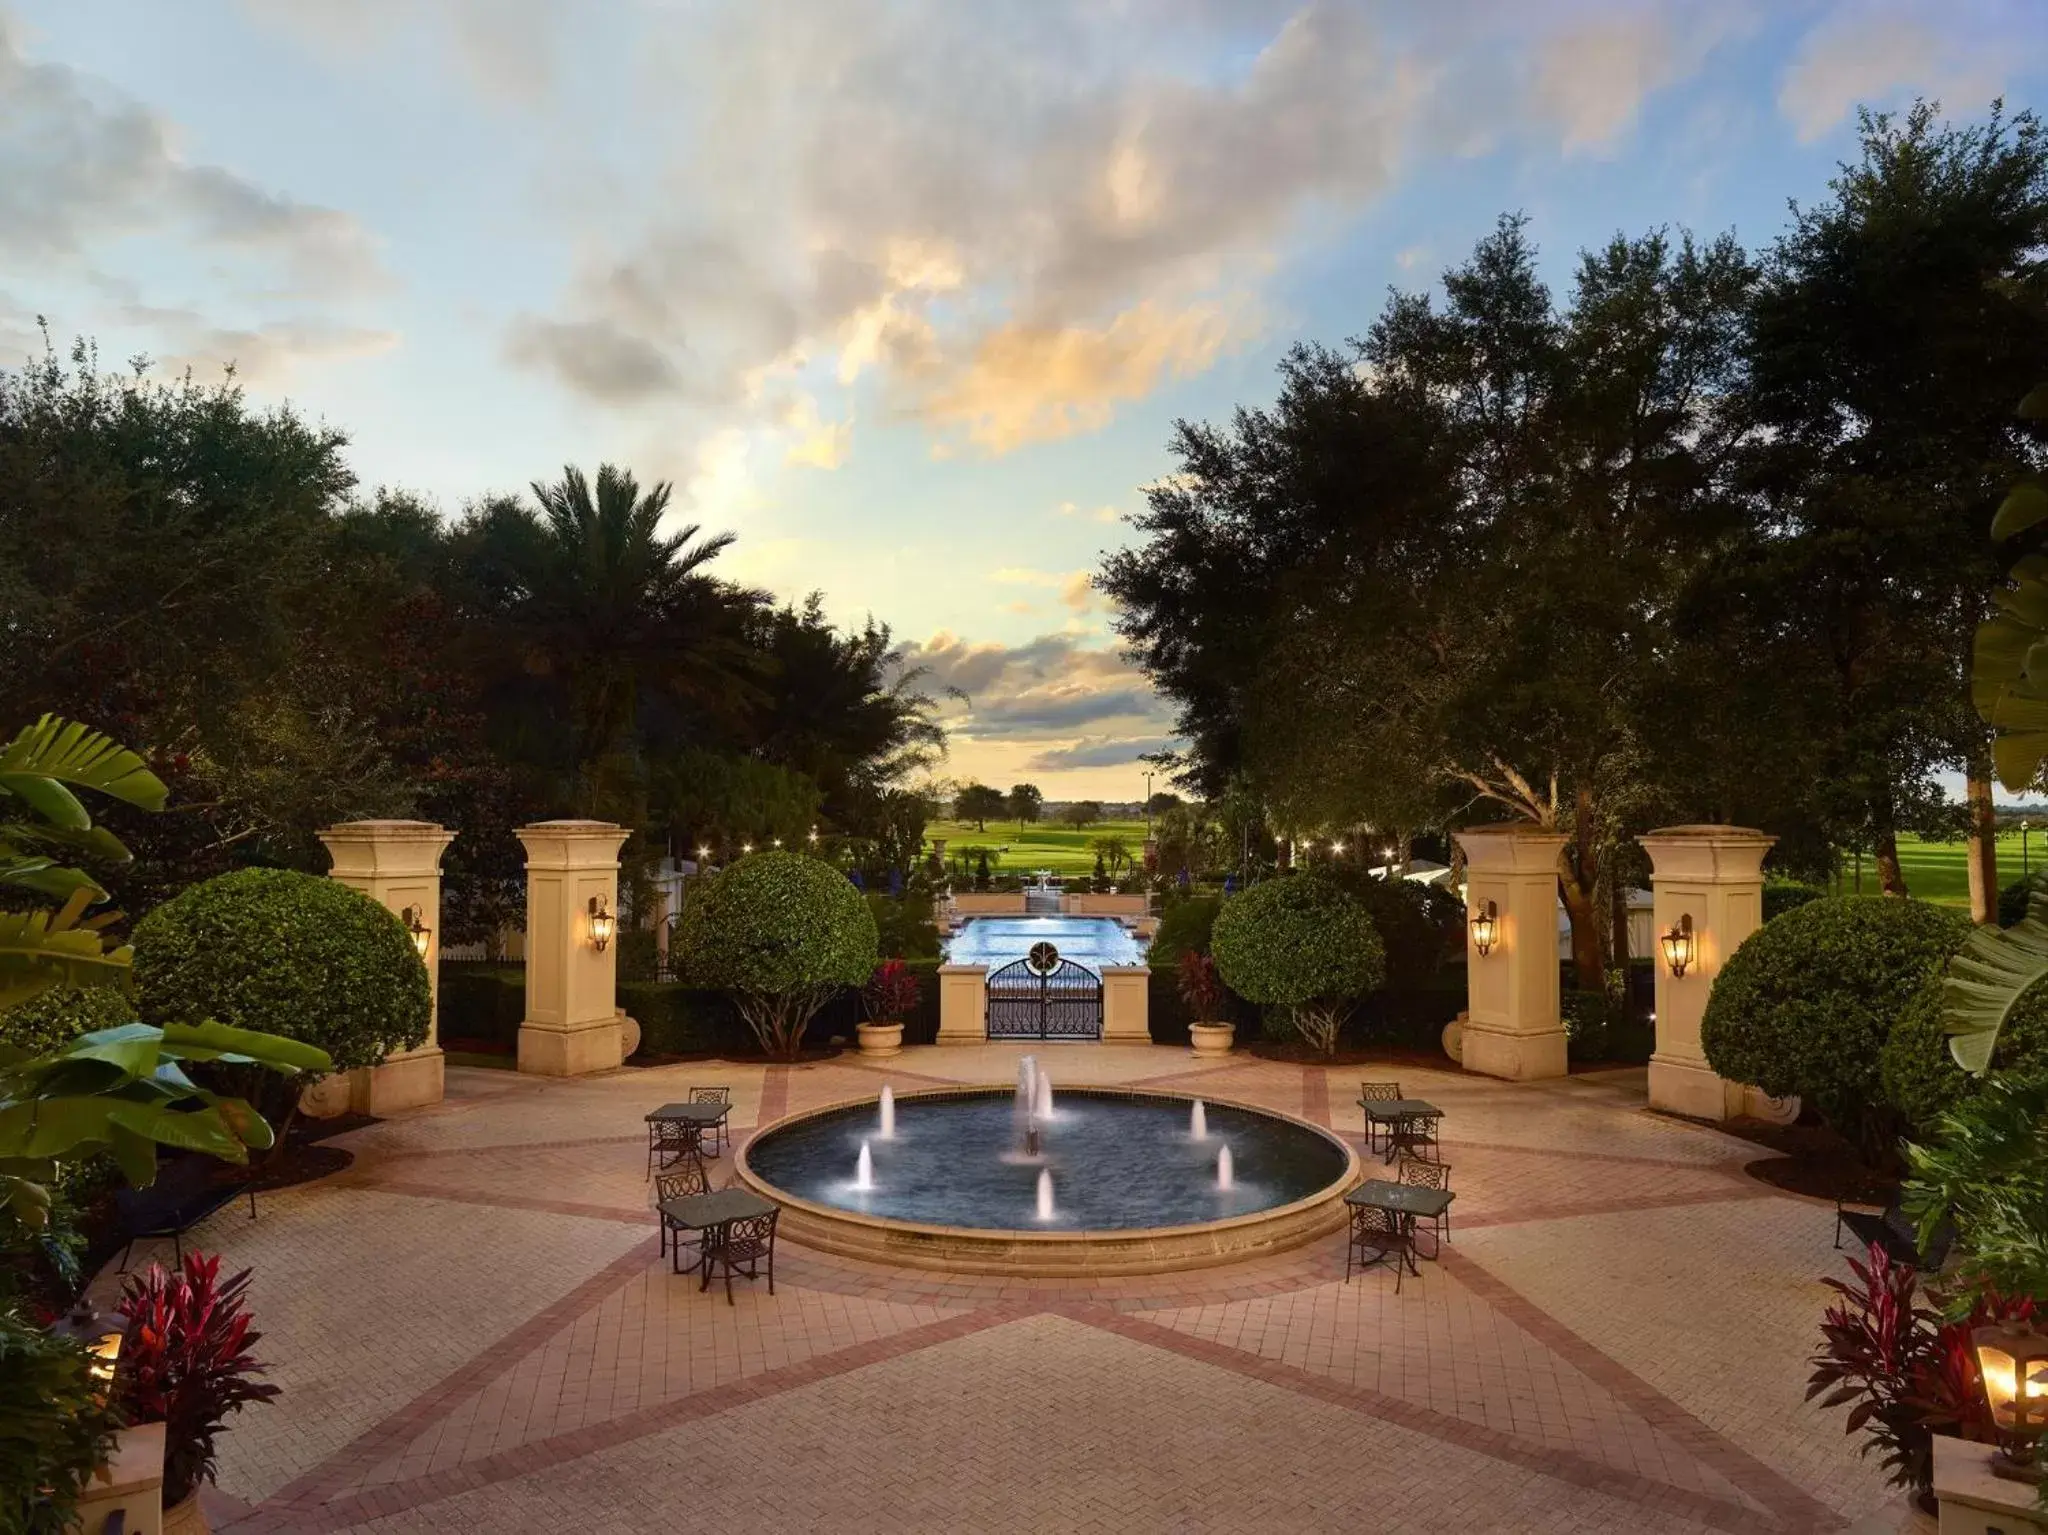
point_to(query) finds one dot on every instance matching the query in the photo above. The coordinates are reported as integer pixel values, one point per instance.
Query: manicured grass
(1940, 871)
(1044, 846)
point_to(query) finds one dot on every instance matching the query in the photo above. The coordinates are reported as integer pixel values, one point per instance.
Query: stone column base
(1126, 1000)
(1518, 1057)
(409, 1081)
(1680, 1086)
(553, 1052)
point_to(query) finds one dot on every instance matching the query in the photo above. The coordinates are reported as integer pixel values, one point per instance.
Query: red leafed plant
(1201, 988)
(891, 992)
(1909, 1374)
(186, 1363)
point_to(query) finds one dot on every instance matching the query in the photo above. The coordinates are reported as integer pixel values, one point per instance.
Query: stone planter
(1212, 1038)
(186, 1518)
(880, 1038)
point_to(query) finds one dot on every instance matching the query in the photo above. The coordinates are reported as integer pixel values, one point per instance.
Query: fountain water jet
(1043, 1106)
(1045, 1194)
(1198, 1121)
(888, 1125)
(1224, 1178)
(1027, 1084)
(864, 1169)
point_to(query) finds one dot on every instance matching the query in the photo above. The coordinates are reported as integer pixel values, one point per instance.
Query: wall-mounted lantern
(1485, 928)
(422, 935)
(1679, 949)
(2012, 1362)
(602, 924)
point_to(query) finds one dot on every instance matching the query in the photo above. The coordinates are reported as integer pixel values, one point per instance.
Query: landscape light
(2012, 1362)
(602, 924)
(422, 935)
(100, 1333)
(746, 847)
(1678, 945)
(1485, 928)
(703, 855)
(1336, 847)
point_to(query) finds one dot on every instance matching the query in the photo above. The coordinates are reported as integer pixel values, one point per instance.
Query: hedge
(1921, 1078)
(51, 1019)
(482, 1004)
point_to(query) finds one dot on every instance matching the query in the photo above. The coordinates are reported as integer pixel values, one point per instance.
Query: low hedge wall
(482, 1005)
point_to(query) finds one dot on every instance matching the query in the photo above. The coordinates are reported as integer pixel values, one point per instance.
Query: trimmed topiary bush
(288, 954)
(1806, 1004)
(1922, 1080)
(1302, 943)
(1783, 895)
(51, 1019)
(783, 933)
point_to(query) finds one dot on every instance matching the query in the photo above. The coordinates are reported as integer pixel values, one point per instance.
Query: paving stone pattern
(474, 1332)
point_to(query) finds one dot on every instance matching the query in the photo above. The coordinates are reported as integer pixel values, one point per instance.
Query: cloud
(507, 47)
(819, 444)
(1098, 752)
(1861, 56)
(1048, 686)
(1592, 76)
(1105, 513)
(1078, 591)
(267, 355)
(83, 165)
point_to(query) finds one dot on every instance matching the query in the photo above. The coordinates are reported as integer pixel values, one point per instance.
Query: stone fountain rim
(1066, 1253)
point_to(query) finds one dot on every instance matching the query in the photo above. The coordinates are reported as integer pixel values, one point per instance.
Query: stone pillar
(398, 865)
(1126, 1005)
(963, 1004)
(1514, 1029)
(1714, 875)
(572, 1021)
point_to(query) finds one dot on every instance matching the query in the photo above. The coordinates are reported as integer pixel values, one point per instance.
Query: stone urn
(1453, 1038)
(629, 1035)
(187, 1517)
(880, 1038)
(1212, 1038)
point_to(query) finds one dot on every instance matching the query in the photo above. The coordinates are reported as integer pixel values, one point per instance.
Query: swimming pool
(1090, 941)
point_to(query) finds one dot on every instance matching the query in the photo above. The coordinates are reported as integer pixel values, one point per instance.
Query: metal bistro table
(1407, 1202)
(676, 1130)
(705, 1213)
(1411, 1124)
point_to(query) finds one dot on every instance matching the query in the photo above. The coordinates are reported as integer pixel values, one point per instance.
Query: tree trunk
(1891, 879)
(1618, 954)
(1578, 877)
(1983, 846)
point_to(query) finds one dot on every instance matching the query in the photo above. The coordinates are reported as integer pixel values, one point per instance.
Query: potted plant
(889, 996)
(1201, 988)
(186, 1364)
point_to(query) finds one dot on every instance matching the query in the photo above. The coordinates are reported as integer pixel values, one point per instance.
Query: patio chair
(1419, 1174)
(717, 1132)
(1893, 1231)
(670, 1142)
(1381, 1233)
(742, 1247)
(1377, 1092)
(692, 1179)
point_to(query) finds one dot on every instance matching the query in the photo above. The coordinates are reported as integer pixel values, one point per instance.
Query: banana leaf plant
(2009, 685)
(124, 1091)
(43, 825)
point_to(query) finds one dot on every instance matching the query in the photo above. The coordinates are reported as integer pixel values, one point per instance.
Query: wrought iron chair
(741, 1247)
(1377, 1092)
(1382, 1233)
(717, 1132)
(691, 1179)
(1419, 1174)
(670, 1142)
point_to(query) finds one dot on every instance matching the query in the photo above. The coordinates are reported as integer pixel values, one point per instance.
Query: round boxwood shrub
(1806, 1004)
(1783, 895)
(783, 933)
(51, 1019)
(289, 954)
(1922, 1080)
(1302, 943)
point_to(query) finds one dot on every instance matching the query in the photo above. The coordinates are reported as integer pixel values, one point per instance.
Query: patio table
(1404, 1200)
(675, 1130)
(1402, 1116)
(706, 1212)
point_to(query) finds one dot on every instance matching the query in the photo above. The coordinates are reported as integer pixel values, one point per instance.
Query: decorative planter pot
(1212, 1038)
(187, 1518)
(880, 1038)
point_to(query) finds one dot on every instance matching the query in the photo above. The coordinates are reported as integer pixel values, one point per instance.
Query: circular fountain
(1095, 1181)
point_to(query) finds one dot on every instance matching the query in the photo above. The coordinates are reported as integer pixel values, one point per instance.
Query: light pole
(2023, 848)
(1148, 807)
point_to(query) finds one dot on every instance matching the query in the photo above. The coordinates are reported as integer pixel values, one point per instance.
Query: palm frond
(69, 753)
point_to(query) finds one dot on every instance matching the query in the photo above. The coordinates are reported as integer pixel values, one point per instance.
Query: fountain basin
(1133, 1191)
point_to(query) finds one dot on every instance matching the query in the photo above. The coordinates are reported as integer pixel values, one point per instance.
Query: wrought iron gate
(1044, 997)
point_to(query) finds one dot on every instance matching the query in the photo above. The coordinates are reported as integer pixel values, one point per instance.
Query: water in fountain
(888, 1128)
(1045, 1194)
(864, 1169)
(1044, 1103)
(1224, 1179)
(1198, 1121)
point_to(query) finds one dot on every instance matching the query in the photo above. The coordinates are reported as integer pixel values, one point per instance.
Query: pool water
(1090, 941)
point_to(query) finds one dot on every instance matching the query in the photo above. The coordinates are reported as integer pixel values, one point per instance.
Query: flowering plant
(891, 992)
(186, 1363)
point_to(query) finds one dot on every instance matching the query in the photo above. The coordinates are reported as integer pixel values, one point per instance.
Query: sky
(909, 295)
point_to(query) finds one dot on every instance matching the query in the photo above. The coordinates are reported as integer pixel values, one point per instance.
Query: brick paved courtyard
(474, 1332)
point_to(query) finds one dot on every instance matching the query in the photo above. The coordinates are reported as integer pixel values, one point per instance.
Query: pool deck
(473, 1331)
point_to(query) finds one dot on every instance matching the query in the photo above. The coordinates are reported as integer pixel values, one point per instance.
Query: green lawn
(1940, 871)
(1044, 846)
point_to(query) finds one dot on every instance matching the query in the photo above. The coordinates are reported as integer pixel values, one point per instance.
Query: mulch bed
(1812, 1160)
(1293, 1052)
